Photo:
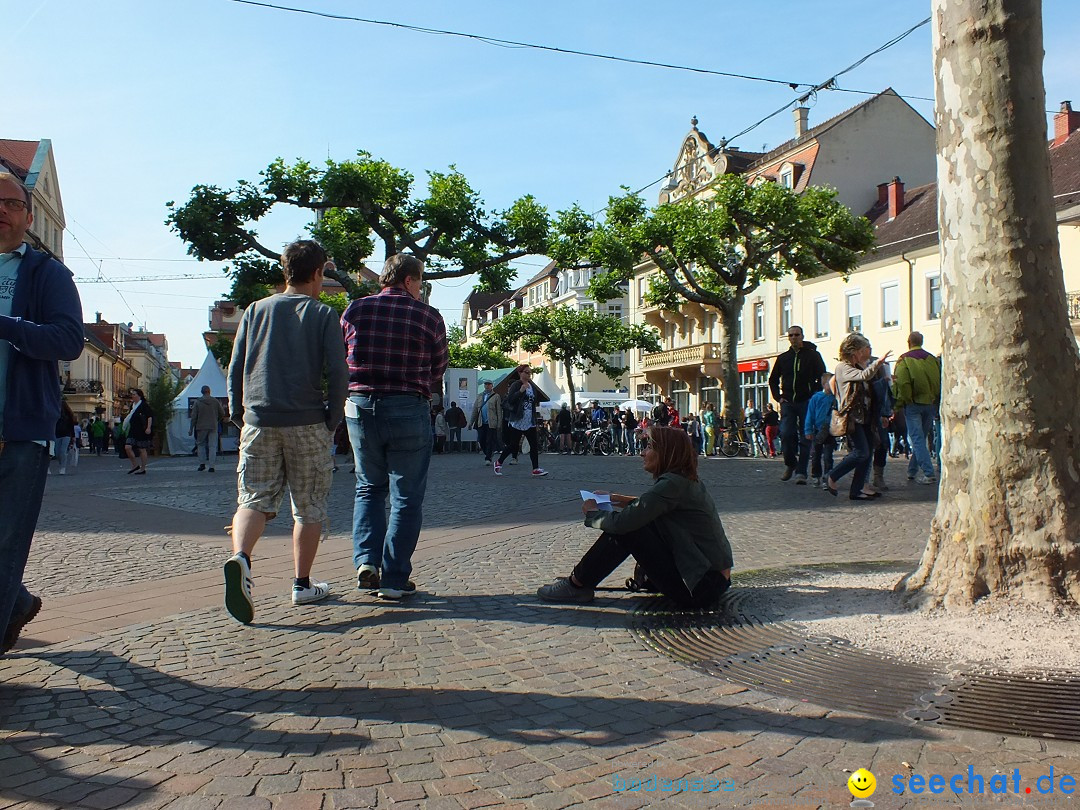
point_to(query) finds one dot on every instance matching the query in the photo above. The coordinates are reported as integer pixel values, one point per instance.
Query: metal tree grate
(737, 643)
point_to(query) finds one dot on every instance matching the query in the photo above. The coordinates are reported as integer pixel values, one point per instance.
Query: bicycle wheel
(603, 444)
(730, 445)
(580, 447)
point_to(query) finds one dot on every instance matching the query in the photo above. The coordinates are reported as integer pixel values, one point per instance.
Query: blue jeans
(795, 444)
(391, 439)
(857, 459)
(920, 428)
(23, 466)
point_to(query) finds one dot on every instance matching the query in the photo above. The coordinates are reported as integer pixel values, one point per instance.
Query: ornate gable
(695, 166)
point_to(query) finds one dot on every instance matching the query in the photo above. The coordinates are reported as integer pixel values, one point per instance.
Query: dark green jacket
(685, 516)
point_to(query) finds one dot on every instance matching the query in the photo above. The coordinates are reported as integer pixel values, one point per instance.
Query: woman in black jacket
(139, 425)
(672, 530)
(522, 419)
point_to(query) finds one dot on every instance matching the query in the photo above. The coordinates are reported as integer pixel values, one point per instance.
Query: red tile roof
(18, 156)
(916, 226)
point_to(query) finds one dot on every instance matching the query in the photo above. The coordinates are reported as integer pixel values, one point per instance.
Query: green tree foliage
(476, 356)
(717, 250)
(358, 204)
(573, 339)
(159, 396)
(222, 348)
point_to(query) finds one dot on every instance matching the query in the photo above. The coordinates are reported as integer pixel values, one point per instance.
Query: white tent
(181, 441)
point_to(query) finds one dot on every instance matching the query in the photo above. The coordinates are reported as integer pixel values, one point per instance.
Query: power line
(526, 45)
(144, 279)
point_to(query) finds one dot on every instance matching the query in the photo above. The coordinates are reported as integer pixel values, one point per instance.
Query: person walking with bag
(521, 401)
(852, 381)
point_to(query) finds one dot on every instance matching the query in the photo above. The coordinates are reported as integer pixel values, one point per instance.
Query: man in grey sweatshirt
(284, 346)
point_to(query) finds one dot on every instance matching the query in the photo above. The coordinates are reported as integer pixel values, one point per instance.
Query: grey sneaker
(305, 596)
(925, 479)
(800, 479)
(816, 482)
(367, 578)
(563, 590)
(788, 471)
(238, 589)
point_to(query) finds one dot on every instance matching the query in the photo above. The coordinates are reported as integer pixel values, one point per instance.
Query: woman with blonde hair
(852, 381)
(672, 530)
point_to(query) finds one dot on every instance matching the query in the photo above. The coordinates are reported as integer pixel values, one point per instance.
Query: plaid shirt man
(394, 344)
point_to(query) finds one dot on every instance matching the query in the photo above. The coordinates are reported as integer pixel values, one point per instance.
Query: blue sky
(144, 100)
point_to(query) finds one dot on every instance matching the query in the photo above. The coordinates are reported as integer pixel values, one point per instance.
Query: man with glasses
(40, 324)
(795, 377)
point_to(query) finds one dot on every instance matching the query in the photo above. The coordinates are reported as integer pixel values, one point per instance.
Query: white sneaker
(238, 589)
(498, 468)
(305, 596)
(538, 473)
(925, 479)
(816, 482)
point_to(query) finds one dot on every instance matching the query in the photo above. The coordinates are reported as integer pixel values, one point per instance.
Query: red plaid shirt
(394, 344)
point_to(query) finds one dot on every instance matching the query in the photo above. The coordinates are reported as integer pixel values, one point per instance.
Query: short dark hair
(22, 187)
(399, 267)
(302, 260)
(523, 367)
(675, 451)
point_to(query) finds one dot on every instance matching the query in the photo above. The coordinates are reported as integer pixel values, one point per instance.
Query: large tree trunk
(570, 384)
(1008, 516)
(729, 361)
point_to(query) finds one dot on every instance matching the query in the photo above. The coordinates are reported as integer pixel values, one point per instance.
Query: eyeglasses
(13, 204)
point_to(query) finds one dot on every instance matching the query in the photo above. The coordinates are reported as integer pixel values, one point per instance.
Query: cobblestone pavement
(470, 695)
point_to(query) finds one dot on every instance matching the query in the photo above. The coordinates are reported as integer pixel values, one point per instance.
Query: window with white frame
(759, 321)
(854, 311)
(933, 297)
(615, 311)
(740, 338)
(821, 318)
(785, 314)
(890, 305)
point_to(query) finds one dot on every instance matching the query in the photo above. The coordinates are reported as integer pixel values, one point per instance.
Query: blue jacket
(818, 412)
(45, 326)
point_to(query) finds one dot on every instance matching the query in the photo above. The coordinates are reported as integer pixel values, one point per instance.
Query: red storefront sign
(753, 365)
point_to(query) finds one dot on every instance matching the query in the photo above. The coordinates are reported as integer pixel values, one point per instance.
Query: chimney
(97, 317)
(802, 115)
(883, 193)
(1065, 123)
(895, 192)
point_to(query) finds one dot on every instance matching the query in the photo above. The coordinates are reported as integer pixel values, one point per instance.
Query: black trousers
(652, 551)
(513, 443)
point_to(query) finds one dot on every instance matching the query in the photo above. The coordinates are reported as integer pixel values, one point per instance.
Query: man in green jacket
(918, 392)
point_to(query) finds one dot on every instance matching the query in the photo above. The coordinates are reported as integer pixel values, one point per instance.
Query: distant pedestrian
(139, 429)
(822, 443)
(661, 415)
(770, 421)
(397, 358)
(286, 346)
(98, 430)
(851, 382)
(119, 437)
(796, 376)
(40, 326)
(918, 392)
(694, 431)
(708, 426)
(522, 400)
(439, 428)
(65, 435)
(564, 423)
(486, 420)
(207, 414)
(455, 421)
(630, 430)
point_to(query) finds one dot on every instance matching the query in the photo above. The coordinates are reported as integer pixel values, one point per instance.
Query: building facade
(33, 163)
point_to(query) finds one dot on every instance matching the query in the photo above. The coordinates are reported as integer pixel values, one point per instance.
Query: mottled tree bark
(1008, 517)
(729, 348)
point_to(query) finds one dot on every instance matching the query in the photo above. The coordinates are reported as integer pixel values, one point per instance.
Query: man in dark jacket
(40, 324)
(795, 377)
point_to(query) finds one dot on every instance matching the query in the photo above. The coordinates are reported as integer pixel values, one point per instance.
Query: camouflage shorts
(271, 457)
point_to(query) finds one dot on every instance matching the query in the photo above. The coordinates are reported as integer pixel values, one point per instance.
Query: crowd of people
(298, 371)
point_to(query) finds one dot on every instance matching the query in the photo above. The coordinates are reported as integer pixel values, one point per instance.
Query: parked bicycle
(746, 440)
(596, 440)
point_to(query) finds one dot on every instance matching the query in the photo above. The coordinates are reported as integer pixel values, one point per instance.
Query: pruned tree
(719, 249)
(1008, 514)
(571, 338)
(358, 204)
(475, 355)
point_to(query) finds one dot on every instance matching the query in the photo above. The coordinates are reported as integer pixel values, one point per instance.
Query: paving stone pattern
(472, 694)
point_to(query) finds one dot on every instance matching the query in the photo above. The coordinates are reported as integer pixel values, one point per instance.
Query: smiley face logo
(862, 784)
